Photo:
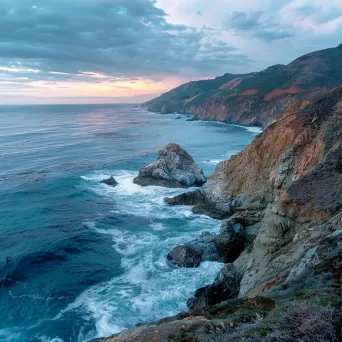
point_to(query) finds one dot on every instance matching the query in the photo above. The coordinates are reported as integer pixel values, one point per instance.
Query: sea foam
(148, 287)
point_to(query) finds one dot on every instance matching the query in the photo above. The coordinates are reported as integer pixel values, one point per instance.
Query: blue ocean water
(88, 260)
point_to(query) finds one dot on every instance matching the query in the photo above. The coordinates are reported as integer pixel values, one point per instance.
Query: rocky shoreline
(280, 200)
(257, 98)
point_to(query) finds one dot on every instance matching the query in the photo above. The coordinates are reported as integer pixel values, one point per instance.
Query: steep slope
(255, 98)
(289, 181)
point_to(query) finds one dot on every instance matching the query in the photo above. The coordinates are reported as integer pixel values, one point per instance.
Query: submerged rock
(110, 181)
(174, 168)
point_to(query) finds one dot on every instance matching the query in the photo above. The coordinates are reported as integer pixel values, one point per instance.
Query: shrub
(305, 294)
(305, 323)
(331, 301)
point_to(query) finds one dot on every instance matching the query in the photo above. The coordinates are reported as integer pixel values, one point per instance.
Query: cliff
(256, 98)
(283, 194)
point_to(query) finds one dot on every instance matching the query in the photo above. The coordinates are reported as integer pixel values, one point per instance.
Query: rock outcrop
(194, 252)
(110, 181)
(225, 247)
(282, 190)
(225, 286)
(184, 256)
(174, 168)
(256, 98)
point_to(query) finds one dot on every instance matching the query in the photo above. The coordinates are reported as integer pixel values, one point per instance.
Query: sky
(129, 51)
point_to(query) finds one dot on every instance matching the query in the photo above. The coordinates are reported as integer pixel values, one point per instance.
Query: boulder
(194, 252)
(225, 247)
(110, 181)
(174, 168)
(184, 256)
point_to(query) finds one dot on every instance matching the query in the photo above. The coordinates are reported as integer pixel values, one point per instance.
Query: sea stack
(174, 168)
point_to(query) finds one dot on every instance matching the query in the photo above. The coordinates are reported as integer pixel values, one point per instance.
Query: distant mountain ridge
(255, 98)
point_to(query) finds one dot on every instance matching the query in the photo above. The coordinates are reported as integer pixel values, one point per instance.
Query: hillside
(255, 98)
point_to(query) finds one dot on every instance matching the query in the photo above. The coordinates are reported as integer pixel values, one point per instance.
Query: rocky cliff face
(289, 181)
(283, 196)
(255, 98)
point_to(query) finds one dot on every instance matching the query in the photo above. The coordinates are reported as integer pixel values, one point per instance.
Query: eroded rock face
(224, 247)
(174, 168)
(225, 286)
(231, 240)
(286, 190)
(201, 204)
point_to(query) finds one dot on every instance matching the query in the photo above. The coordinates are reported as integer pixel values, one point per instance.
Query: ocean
(88, 260)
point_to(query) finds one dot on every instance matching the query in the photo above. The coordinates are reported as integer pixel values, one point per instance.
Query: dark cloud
(63, 39)
(253, 23)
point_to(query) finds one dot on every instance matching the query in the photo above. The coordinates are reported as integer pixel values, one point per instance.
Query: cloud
(98, 40)
(255, 24)
(150, 46)
(318, 17)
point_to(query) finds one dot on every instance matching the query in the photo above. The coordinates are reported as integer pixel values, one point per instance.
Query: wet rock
(202, 206)
(203, 248)
(212, 210)
(184, 256)
(187, 198)
(110, 181)
(225, 286)
(231, 240)
(174, 168)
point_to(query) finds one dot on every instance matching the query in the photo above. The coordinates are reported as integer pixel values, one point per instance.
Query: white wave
(148, 287)
(10, 335)
(212, 161)
(254, 129)
(158, 226)
(141, 295)
(48, 339)
(132, 198)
